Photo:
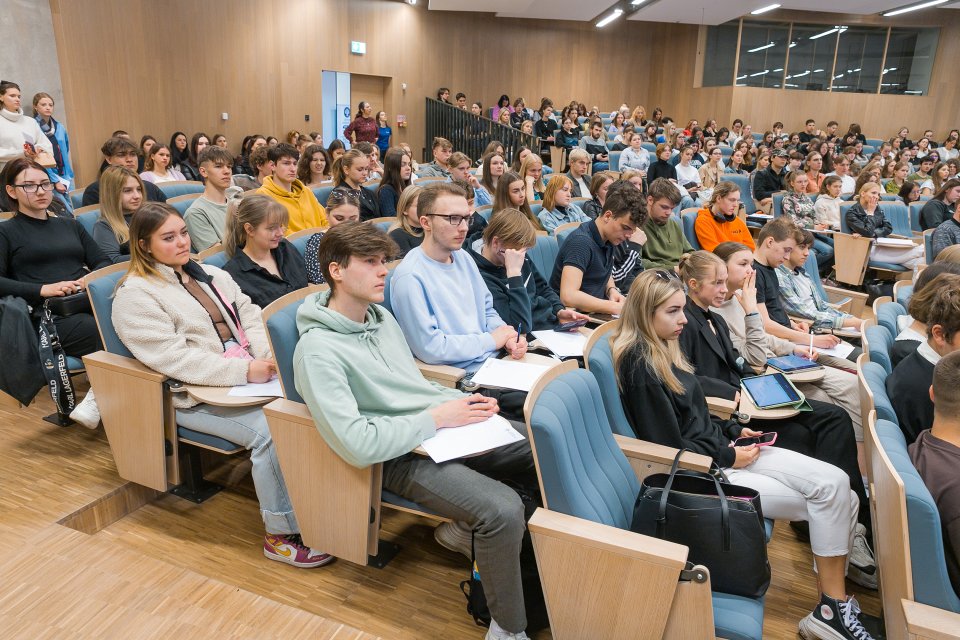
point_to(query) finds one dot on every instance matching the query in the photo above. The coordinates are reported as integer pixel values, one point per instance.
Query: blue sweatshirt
(445, 310)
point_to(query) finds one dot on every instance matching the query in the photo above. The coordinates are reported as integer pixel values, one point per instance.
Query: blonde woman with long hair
(664, 403)
(121, 195)
(407, 234)
(531, 171)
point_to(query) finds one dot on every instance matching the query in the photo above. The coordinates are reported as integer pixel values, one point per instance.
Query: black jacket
(21, 376)
(661, 169)
(875, 226)
(767, 182)
(659, 415)
(525, 300)
(934, 213)
(718, 363)
(908, 388)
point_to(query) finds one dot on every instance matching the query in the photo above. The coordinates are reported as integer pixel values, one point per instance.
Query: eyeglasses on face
(30, 187)
(454, 220)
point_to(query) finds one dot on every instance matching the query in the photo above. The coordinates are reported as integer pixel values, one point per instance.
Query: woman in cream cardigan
(192, 323)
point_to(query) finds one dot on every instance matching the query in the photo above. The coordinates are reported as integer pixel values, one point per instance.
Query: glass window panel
(859, 59)
(720, 55)
(909, 61)
(811, 57)
(763, 50)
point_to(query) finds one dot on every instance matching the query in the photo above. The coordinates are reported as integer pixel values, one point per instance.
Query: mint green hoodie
(367, 397)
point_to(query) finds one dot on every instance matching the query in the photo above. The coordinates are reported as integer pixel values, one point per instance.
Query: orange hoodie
(305, 212)
(710, 233)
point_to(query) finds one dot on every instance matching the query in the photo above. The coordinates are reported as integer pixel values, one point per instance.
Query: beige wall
(154, 67)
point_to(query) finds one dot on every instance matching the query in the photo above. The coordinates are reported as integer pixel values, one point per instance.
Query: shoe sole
(817, 631)
(450, 546)
(300, 565)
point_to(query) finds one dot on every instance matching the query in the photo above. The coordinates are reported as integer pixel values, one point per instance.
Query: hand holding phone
(762, 440)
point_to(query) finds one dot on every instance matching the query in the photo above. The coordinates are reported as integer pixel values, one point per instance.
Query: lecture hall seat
(589, 488)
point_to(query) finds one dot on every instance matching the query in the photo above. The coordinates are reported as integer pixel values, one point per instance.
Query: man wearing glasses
(120, 152)
(440, 299)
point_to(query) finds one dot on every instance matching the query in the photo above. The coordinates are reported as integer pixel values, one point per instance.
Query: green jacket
(665, 244)
(367, 397)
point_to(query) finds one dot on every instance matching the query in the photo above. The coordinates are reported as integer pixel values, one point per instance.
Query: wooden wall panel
(154, 67)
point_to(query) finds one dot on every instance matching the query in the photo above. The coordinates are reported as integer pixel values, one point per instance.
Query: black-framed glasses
(454, 220)
(30, 187)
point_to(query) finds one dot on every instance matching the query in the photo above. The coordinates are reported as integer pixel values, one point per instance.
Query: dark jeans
(78, 334)
(826, 433)
(469, 490)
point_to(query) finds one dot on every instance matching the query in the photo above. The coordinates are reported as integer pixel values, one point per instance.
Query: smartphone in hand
(763, 440)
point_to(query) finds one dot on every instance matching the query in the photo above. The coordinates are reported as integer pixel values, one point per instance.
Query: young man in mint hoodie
(371, 404)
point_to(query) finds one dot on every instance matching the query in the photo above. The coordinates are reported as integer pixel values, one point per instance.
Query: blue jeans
(824, 252)
(247, 426)
(600, 166)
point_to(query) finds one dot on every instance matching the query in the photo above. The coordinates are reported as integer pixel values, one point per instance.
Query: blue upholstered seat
(887, 315)
(74, 365)
(562, 237)
(544, 255)
(485, 211)
(876, 376)
(300, 243)
(746, 195)
(614, 157)
(931, 583)
(322, 193)
(174, 189)
(584, 474)
(880, 342)
(777, 210)
(216, 260)
(903, 295)
(689, 219)
(101, 298)
(88, 219)
(182, 205)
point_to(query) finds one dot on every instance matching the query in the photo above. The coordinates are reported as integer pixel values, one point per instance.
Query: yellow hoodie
(305, 212)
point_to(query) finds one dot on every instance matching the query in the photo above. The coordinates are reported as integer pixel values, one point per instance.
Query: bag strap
(54, 364)
(665, 496)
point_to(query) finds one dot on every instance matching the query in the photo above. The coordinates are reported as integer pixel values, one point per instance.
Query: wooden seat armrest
(606, 538)
(853, 301)
(659, 454)
(122, 364)
(441, 373)
(930, 623)
(721, 407)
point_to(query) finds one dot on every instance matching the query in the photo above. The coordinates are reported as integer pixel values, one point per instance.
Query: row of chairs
(918, 598)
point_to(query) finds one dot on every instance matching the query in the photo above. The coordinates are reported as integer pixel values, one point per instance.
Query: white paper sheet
(566, 344)
(264, 389)
(508, 374)
(895, 242)
(458, 442)
(842, 350)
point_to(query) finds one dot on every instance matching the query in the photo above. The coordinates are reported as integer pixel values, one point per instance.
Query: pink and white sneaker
(291, 550)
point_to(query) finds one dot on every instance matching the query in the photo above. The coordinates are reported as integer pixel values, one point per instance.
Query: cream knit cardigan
(166, 329)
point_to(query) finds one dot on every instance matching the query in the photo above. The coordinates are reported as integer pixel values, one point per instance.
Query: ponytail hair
(344, 162)
(254, 210)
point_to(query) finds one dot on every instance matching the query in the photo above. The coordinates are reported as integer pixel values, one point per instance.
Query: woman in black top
(178, 149)
(941, 206)
(397, 169)
(664, 403)
(349, 173)
(190, 167)
(43, 256)
(262, 262)
(661, 167)
(407, 233)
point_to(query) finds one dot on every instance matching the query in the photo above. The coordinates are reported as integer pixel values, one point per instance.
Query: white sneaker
(87, 412)
(862, 568)
(495, 632)
(455, 536)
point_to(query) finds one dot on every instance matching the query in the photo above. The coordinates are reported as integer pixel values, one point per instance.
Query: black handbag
(64, 306)
(721, 523)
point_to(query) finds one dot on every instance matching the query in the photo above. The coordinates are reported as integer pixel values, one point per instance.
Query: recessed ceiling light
(915, 7)
(769, 7)
(610, 18)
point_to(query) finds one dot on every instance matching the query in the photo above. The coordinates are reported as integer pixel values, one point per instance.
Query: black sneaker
(834, 620)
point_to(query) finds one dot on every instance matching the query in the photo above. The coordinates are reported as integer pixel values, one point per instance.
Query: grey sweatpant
(469, 490)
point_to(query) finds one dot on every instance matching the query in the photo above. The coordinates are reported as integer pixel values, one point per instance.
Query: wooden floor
(172, 566)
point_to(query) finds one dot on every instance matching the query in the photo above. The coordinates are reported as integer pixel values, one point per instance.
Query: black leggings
(826, 433)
